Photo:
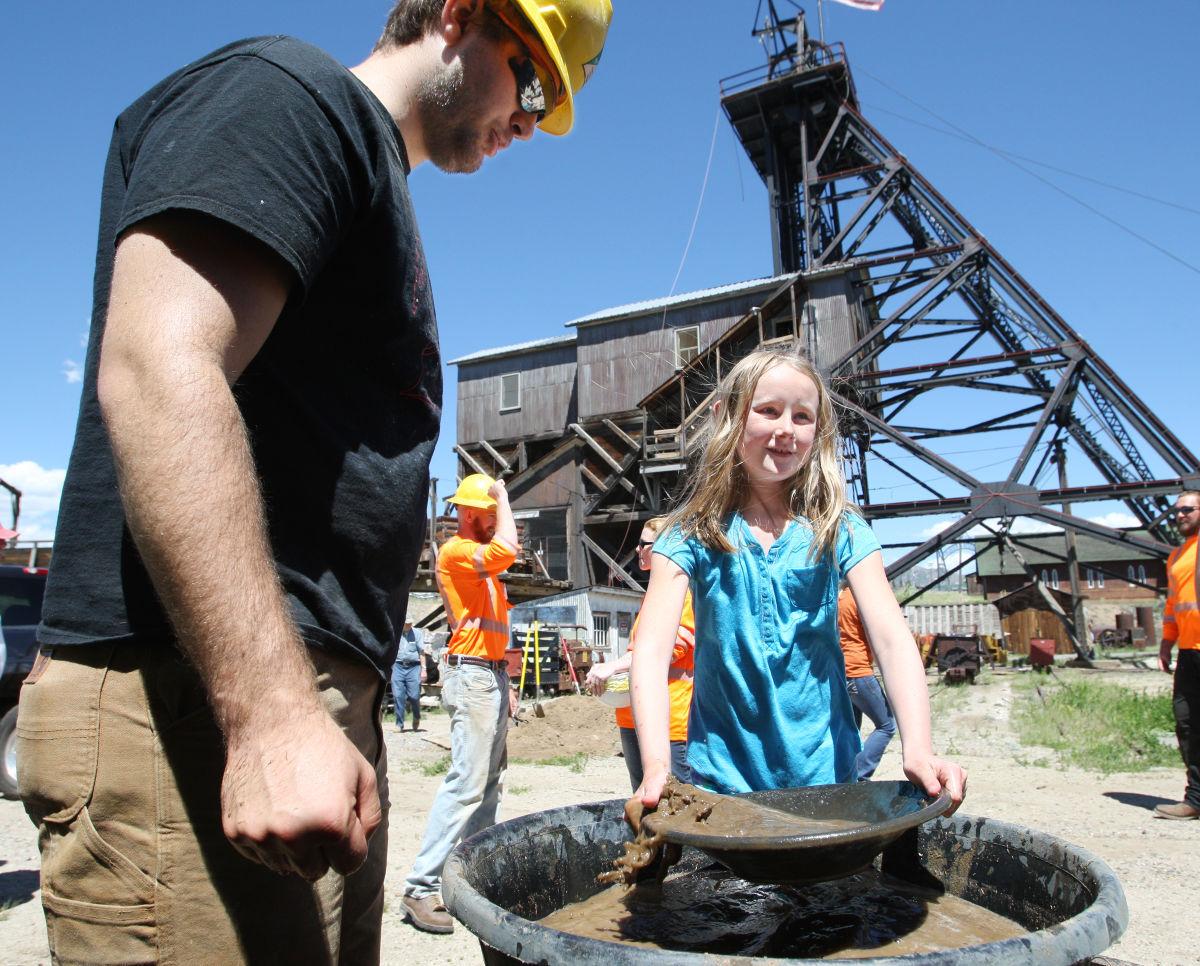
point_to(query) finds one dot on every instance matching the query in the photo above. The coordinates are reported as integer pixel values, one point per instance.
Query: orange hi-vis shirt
(853, 639)
(468, 578)
(679, 677)
(1181, 619)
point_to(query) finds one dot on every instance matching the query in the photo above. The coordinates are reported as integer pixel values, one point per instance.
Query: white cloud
(1019, 525)
(1117, 519)
(1025, 525)
(72, 370)
(41, 490)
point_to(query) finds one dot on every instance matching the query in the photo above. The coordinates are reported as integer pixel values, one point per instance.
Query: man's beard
(450, 121)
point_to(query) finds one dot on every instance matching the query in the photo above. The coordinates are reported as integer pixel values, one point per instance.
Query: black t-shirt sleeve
(243, 141)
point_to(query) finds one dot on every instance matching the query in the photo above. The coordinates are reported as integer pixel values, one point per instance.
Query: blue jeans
(467, 802)
(633, 758)
(868, 698)
(406, 692)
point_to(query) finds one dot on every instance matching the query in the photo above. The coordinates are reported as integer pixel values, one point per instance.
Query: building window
(1054, 579)
(687, 345)
(510, 391)
(1142, 573)
(1100, 579)
(1129, 574)
(1091, 578)
(600, 630)
(1045, 577)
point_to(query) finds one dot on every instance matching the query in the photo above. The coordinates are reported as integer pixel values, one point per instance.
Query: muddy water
(702, 907)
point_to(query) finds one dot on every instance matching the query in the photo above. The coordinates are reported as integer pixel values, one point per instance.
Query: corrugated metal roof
(1088, 549)
(621, 311)
(703, 295)
(512, 350)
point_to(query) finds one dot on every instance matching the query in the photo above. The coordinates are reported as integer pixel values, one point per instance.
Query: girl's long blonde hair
(719, 484)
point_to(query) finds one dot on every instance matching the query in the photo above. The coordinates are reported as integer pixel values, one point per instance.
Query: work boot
(428, 914)
(1180, 811)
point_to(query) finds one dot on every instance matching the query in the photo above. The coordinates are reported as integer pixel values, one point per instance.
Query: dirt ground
(1157, 862)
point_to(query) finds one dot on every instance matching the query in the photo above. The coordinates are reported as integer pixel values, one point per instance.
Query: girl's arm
(657, 626)
(904, 678)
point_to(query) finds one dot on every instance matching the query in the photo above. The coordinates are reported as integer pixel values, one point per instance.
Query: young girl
(762, 536)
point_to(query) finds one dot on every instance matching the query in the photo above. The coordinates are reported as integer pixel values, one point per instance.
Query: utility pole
(433, 547)
(15, 494)
(1077, 615)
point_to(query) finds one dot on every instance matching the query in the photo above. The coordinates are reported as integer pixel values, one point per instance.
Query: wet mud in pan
(791, 835)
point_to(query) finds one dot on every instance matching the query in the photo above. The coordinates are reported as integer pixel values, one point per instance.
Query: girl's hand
(654, 780)
(598, 677)
(933, 774)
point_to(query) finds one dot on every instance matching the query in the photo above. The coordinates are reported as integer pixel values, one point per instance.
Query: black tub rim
(1074, 940)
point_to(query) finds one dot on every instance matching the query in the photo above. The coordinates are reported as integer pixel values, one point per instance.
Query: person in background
(679, 678)
(407, 674)
(476, 690)
(1181, 628)
(866, 695)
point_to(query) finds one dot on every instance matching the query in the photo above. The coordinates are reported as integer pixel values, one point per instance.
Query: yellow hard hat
(473, 491)
(572, 33)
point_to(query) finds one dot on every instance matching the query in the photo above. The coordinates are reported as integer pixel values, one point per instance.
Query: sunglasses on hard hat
(538, 91)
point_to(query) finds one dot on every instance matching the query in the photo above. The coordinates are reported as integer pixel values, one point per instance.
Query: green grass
(390, 716)
(1097, 726)
(576, 762)
(520, 789)
(945, 696)
(439, 767)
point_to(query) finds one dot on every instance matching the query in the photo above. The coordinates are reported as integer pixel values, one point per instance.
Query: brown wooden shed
(1024, 614)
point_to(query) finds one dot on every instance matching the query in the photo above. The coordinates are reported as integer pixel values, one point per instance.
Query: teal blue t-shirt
(769, 706)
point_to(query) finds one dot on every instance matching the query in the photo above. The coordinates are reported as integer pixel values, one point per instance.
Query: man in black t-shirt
(244, 504)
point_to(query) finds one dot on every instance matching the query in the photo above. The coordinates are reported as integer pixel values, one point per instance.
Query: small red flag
(862, 4)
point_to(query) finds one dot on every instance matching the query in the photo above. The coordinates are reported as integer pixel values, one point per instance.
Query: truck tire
(8, 753)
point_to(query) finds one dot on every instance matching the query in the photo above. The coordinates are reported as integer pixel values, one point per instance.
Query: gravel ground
(1157, 862)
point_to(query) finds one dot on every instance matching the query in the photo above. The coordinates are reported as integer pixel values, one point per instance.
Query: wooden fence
(952, 619)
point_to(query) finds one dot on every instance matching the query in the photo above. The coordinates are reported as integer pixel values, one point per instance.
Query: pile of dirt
(573, 724)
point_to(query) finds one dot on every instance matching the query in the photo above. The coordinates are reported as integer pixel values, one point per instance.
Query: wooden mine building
(590, 429)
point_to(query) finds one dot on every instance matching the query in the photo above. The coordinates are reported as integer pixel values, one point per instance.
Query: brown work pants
(120, 765)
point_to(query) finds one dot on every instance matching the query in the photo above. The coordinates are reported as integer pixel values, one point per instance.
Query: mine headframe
(928, 336)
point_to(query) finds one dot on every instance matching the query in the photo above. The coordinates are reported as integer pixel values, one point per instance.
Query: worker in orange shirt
(866, 694)
(679, 678)
(475, 690)
(1181, 627)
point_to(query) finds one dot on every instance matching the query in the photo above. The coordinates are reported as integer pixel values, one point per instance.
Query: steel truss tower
(960, 391)
(928, 335)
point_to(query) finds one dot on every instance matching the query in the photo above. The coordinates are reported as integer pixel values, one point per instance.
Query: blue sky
(560, 228)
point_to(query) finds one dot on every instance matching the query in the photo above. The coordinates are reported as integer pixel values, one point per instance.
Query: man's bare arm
(192, 302)
(506, 524)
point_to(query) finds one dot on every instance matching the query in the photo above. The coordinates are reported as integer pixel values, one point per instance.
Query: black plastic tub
(497, 883)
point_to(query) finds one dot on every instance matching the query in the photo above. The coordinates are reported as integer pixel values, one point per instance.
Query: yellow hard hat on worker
(473, 491)
(571, 32)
